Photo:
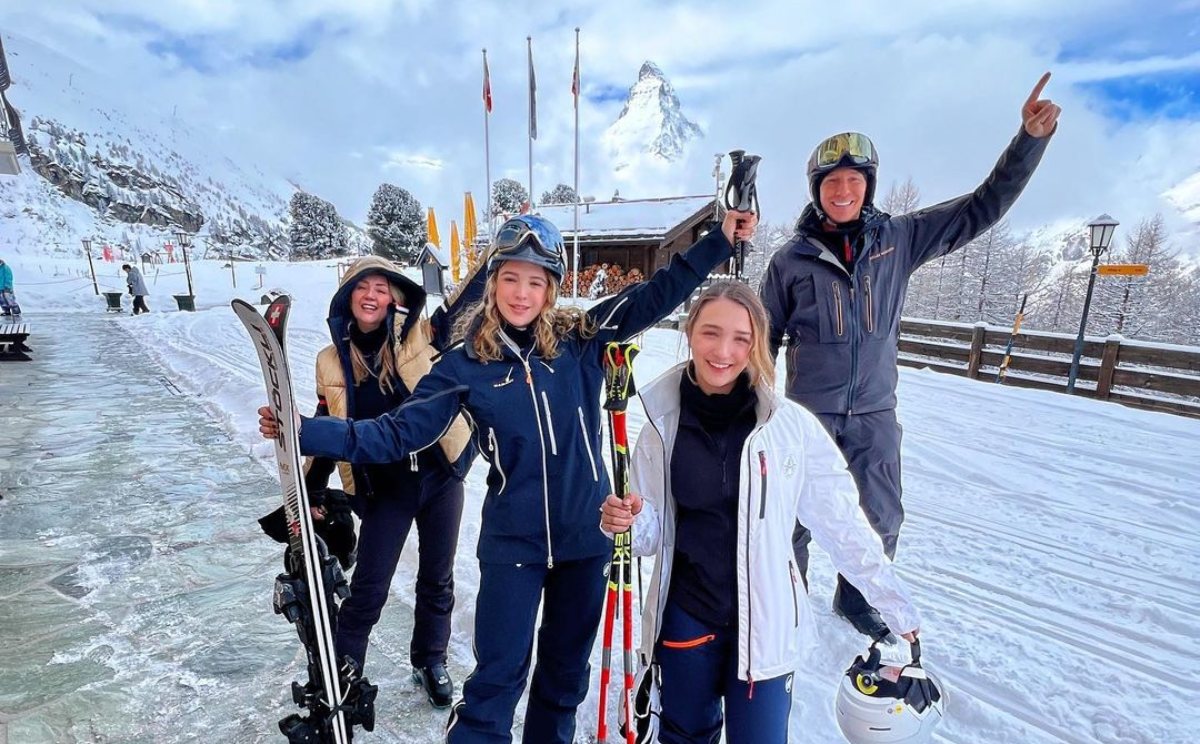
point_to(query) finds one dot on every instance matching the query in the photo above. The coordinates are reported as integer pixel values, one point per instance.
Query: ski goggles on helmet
(532, 239)
(533, 231)
(909, 683)
(847, 148)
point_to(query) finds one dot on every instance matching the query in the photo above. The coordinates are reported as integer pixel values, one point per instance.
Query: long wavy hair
(387, 353)
(760, 364)
(553, 323)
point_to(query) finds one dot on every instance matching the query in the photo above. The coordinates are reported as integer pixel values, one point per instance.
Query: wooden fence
(1160, 377)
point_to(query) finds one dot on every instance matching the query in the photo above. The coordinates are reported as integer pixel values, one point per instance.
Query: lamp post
(87, 251)
(1101, 232)
(185, 241)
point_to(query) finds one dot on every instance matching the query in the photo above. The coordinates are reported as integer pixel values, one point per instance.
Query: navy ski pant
(436, 507)
(698, 667)
(571, 596)
(870, 442)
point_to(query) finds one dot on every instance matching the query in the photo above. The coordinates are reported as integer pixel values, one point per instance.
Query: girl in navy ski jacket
(528, 377)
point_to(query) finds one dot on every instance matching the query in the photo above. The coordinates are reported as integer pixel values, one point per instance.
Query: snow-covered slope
(121, 170)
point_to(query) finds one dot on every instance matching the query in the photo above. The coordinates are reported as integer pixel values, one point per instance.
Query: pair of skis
(335, 696)
(618, 379)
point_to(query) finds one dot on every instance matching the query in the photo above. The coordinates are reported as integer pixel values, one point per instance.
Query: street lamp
(1101, 232)
(87, 251)
(185, 241)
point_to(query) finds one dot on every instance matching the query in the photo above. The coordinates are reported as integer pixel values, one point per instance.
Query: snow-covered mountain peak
(649, 69)
(652, 125)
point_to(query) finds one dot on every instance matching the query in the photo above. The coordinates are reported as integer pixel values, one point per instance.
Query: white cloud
(401, 160)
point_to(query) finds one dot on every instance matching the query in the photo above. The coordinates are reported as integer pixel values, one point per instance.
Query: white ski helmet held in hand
(882, 703)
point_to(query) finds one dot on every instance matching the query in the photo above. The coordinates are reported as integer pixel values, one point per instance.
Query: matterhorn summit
(651, 125)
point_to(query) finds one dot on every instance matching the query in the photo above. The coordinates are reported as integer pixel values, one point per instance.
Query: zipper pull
(750, 679)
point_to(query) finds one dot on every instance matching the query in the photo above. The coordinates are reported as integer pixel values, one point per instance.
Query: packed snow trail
(130, 569)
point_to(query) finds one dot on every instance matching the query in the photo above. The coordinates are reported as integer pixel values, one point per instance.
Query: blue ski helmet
(533, 239)
(845, 150)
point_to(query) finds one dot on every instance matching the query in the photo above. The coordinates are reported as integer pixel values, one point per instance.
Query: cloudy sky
(341, 96)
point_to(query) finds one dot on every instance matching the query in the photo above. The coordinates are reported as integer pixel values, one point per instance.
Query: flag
(487, 86)
(532, 95)
(470, 228)
(455, 270)
(433, 231)
(575, 78)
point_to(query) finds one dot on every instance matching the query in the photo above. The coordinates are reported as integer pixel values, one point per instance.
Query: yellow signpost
(1123, 269)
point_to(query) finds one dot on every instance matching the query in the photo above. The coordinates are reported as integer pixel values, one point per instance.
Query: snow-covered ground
(1050, 540)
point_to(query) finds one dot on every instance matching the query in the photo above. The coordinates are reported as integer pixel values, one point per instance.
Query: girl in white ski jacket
(786, 467)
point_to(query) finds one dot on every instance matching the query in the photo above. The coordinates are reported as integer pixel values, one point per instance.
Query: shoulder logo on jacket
(789, 466)
(884, 252)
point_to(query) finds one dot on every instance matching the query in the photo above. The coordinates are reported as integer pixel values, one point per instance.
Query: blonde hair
(760, 364)
(387, 354)
(552, 324)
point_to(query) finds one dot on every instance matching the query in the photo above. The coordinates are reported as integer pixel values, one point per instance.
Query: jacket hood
(340, 315)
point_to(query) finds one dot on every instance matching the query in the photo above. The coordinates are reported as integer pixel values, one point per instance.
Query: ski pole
(618, 379)
(1011, 339)
(741, 194)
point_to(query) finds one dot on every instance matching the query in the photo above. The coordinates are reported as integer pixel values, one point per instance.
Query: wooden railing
(1160, 377)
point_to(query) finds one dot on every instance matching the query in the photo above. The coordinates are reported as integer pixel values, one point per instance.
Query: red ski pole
(618, 376)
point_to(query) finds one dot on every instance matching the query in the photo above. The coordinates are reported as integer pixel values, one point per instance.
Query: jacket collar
(660, 399)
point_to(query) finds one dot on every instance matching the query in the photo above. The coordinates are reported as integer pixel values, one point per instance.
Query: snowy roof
(628, 220)
(441, 255)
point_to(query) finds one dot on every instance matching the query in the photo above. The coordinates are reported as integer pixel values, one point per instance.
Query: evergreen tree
(560, 194)
(316, 230)
(396, 224)
(508, 197)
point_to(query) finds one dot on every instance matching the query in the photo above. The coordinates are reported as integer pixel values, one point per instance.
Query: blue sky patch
(1173, 95)
(607, 92)
(212, 54)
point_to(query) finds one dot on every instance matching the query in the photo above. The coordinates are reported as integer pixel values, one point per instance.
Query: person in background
(137, 288)
(720, 473)
(528, 375)
(8, 300)
(836, 292)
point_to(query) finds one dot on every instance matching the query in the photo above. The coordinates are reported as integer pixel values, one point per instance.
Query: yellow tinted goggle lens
(856, 146)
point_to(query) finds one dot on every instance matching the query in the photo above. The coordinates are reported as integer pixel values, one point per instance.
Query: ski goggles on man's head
(533, 231)
(846, 148)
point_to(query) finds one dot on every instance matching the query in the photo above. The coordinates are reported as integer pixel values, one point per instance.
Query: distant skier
(137, 288)
(8, 300)
(837, 291)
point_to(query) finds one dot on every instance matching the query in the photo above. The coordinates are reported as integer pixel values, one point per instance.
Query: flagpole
(532, 118)
(575, 89)
(487, 148)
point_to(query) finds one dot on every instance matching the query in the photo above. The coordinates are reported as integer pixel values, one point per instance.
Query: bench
(12, 342)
